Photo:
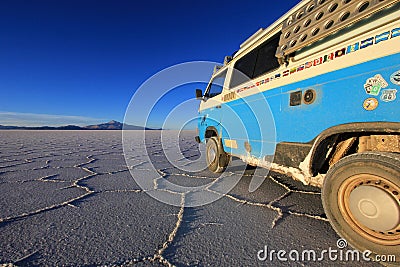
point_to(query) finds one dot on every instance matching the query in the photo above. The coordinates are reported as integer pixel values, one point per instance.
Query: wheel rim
(371, 206)
(211, 154)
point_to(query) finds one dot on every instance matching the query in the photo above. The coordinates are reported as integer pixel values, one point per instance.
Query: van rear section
(315, 96)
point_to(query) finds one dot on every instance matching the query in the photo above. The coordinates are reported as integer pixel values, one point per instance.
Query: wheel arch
(210, 132)
(326, 143)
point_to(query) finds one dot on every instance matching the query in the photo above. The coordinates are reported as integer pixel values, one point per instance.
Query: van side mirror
(199, 94)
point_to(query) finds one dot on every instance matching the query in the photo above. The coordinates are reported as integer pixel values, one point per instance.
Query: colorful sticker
(395, 32)
(370, 104)
(382, 37)
(374, 85)
(388, 95)
(395, 78)
(367, 42)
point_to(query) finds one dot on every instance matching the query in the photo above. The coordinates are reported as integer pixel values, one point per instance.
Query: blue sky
(80, 61)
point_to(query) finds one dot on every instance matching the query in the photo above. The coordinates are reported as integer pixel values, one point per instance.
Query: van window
(266, 59)
(216, 86)
(257, 62)
(244, 68)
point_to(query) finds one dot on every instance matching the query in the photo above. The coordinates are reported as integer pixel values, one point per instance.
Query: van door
(210, 109)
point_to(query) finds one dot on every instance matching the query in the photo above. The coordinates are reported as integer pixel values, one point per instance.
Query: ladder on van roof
(321, 18)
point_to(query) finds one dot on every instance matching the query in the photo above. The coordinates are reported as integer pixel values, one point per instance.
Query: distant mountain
(114, 125)
(111, 125)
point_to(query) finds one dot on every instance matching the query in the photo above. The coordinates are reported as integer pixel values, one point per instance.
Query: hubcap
(211, 155)
(374, 208)
(371, 206)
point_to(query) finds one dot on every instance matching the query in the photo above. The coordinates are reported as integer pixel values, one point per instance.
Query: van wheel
(216, 158)
(361, 198)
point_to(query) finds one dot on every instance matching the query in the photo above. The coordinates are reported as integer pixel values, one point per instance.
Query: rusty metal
(247, 146)
(341, 149)
(383, 143)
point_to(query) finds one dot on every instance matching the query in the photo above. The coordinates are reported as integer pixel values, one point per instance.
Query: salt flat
(68, 198)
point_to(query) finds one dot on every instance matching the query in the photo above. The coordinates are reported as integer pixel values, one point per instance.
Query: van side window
(244, 68)
(257, 62)
(216, 86)
(266, 59)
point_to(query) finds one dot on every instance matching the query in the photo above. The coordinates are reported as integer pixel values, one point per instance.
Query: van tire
(216, 158)
(361, 198)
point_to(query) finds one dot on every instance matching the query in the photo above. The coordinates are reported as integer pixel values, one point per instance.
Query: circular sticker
(395, 78)
(370, 104)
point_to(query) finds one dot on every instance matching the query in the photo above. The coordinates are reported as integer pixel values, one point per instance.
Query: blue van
(314, 95)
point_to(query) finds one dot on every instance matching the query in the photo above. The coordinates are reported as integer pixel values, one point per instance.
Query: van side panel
(339, 99)
(340, 96)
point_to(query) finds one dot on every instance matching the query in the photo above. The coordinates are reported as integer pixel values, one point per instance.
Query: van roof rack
(217, 68)
(321, 18)
(262, 32)
(227, 59)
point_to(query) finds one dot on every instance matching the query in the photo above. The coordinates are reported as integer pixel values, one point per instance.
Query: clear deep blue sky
(82, 60)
